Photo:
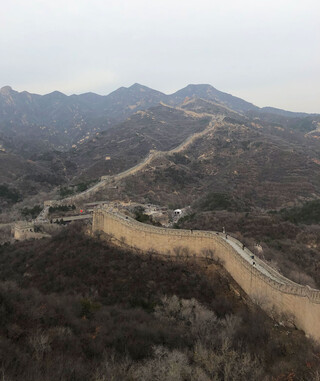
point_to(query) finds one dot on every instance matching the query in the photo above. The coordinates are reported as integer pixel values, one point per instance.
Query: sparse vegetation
(69, 314)
(216, 201)
(9, 194)
(73, 308)
(179, 158)
(81, 187)
(293, 249)
(31, 212)
(66, 192)
(308, 213)
(61, 208)
(140, 216)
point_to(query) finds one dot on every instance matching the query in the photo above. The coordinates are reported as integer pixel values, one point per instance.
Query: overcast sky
(265, 51)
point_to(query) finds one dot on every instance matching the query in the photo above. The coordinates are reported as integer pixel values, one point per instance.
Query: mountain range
(231, 166)
(58, 121)
(50, 140)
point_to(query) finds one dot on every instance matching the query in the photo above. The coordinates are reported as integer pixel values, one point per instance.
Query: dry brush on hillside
(73, 308)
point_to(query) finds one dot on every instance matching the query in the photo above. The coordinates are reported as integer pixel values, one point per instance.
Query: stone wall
(24, 230)
(107, 180)
(261, 283)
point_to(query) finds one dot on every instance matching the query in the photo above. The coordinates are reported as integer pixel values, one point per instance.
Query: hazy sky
(265, 51)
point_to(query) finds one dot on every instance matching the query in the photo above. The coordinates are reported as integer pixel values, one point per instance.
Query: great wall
(261, 283)
(22, 230)
(110, 180)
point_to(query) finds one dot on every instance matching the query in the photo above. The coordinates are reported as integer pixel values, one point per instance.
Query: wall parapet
(303, 302)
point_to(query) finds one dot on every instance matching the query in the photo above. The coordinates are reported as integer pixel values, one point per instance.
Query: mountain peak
(6, 90)
(196, 89)
(199, 86)
(210, 93)
(56, 94)
(138, 87)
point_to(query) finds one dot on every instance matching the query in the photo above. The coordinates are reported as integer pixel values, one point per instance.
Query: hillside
(69, 314)
(210, 93)
(259, 180)
(264, 158)
(158, 128)
(120, 126)
(57, 121)
(203, 106)
(60, 120)
(21, 178)
(74, 307)
(260, 165)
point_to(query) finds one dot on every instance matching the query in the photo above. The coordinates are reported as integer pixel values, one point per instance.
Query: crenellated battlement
(258, 280)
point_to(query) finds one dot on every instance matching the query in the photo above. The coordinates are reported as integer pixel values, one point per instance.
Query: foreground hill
(77, 308)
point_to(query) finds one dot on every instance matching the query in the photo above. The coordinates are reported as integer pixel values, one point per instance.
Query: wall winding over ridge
(111, 179)
(259, 281)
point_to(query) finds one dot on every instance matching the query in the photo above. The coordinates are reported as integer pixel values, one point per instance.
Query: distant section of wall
(25, 230)
(260, 282)
(108, 180)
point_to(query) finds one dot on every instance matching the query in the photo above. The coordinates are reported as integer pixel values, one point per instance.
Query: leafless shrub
(113, 369)
(260, 300)
(51, 229)
(40, 343)
(202, 322)
(286, 319)
(208, 253)
(316, 376)
(185, 310)
(229, 326)
(60, 332)
(5, 233)
(182, 252)
(227, 364)
(165, 365)
(302, 278)
(3, 375)
(199, 374)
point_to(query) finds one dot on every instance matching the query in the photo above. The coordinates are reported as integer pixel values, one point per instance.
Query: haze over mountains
(58, 121)
(49, 140)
